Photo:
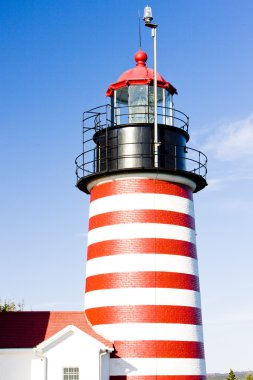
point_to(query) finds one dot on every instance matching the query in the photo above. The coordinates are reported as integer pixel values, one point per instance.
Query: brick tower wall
(142, 284)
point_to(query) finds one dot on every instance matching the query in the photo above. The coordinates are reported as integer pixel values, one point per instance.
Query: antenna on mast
(139, 17)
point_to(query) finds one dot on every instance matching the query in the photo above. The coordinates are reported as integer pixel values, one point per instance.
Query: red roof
(26, 329)
(140, 74)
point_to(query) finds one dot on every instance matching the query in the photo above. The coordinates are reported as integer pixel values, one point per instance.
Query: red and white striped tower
(142, 284)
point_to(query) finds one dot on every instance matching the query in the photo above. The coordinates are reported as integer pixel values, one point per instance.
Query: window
(138, 104)
(71, 373)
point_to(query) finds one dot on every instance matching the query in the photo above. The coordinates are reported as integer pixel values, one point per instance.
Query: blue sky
(57, 60)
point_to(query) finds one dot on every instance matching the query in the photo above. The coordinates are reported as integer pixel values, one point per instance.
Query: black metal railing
(113, 155)
(108, 116)
(91, 162)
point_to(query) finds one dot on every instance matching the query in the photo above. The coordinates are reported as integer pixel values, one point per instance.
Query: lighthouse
(142, 283)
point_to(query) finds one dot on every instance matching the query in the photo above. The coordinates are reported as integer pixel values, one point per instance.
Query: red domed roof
(140, 74)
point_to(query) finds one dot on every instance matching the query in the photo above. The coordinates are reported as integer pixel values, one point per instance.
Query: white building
(48, 345)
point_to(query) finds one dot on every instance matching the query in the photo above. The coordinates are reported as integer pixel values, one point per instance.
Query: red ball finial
(140, 58)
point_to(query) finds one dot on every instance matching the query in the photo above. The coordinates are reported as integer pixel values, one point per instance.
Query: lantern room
(132, 96)
(120, 137)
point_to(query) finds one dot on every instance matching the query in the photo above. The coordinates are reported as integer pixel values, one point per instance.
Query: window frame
(75, 375)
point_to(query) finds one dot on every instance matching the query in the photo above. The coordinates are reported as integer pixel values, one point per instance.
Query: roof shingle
(26, 329)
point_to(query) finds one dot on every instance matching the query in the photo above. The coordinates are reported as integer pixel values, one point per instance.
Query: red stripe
(145, 245)
(138, 185)
(159, 377)
(158, 349)
(144, 314)
(142, 280)
(141, 216)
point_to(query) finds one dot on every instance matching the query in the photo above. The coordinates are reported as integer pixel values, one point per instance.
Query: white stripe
(151, 331)
(141, 201)
(141, 296)
(141, 230)
(156, 366)
(141, 262)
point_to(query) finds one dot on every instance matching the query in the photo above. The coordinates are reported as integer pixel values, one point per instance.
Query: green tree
(249, 376)
(231, 375)
(8, 305)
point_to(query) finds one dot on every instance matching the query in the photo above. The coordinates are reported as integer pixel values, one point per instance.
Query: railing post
(111, 122)
(106, 149)
(83, 165)
(83, 146)
(171, 111)
(199, 162)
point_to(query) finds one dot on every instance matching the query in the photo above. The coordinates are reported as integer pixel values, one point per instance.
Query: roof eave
(63, 334)
(117, 85)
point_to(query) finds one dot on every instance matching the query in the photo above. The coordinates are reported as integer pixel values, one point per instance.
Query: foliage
(240, 375)
(231, 375)
(249, 376)
(8, 305)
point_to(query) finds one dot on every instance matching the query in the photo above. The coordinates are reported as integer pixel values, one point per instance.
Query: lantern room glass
(138, 104)
(135, 104)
